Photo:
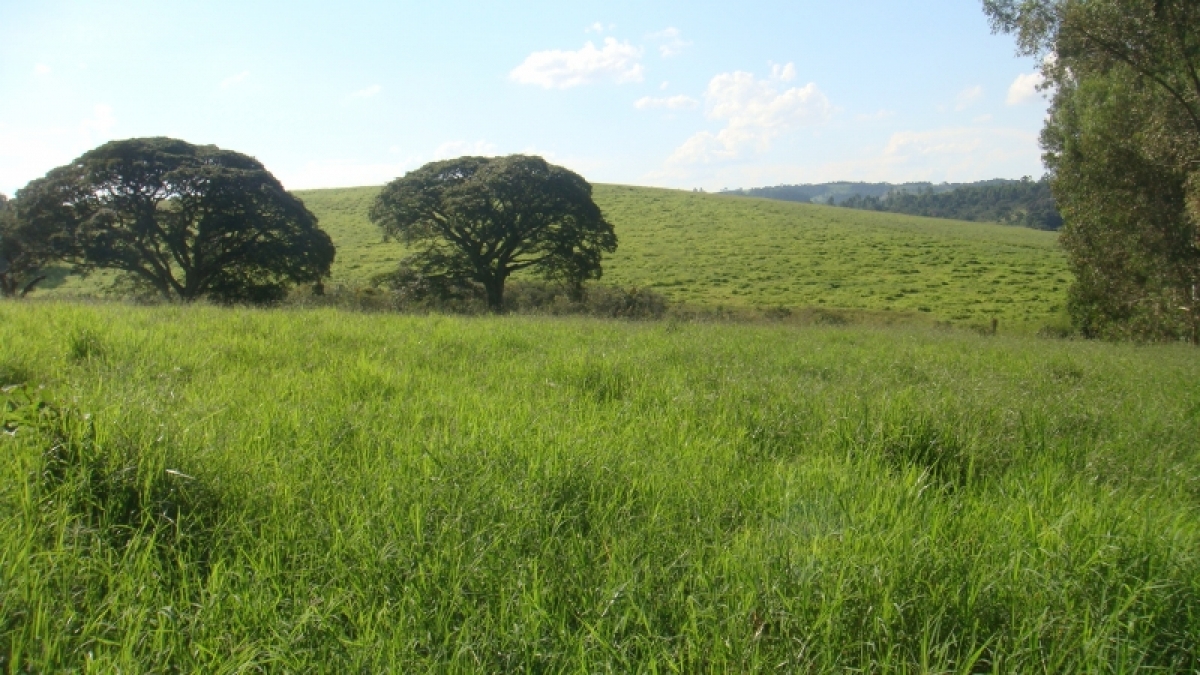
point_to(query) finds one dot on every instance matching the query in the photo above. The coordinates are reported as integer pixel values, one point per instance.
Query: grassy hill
(734, 251)
(198, 489)
(738, 252)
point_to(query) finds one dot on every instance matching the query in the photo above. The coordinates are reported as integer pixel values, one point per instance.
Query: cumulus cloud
(755, 112)
(968, 97)
(368, 92)
(1024, 88)
(953, 154)
(556, 69)
(452, 149)
(784, 73)
(234, 80)
(671, 42)
(679, 102)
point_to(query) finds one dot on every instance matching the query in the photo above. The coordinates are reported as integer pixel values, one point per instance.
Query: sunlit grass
(212, 490)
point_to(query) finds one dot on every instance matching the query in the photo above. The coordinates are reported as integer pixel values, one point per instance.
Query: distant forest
(1014, 202)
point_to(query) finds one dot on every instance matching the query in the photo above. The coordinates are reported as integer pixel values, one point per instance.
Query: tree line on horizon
(1026, 202)
(1022, 202)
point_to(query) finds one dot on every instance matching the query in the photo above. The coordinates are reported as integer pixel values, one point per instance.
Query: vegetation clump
(21, 258)
(478, 220)
(186, 221)
(1122, 144)
(1025, 202)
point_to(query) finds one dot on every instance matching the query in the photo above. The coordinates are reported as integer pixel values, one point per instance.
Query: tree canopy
(1123, 147)
(188, 221)
(21, 260)
(479, 220)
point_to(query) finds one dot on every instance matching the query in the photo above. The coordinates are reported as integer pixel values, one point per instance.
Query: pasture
(707, 251)
(193, 489)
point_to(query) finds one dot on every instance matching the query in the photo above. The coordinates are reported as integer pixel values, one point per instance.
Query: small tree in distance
(188, 221)
(480, 219)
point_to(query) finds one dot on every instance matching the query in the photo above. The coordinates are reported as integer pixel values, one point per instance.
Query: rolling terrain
(710, 251)
(720, 250)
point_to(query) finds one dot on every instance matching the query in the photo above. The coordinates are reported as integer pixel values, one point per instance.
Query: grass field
(740, 253)
(221, 491)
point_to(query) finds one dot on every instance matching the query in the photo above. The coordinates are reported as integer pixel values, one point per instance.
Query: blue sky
(673, 94)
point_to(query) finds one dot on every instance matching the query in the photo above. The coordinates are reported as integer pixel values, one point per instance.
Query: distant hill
(1012, 202)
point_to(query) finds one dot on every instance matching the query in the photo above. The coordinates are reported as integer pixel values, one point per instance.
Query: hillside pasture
(708, 251)
(717, 250)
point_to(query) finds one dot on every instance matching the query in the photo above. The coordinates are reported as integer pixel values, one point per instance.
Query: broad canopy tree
(480, 219)
(21, 259)
(188, 221)
(1122, 144)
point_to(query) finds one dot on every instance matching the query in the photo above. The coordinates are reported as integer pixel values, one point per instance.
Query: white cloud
(42, 69)
(452, 149)
(785, 73)
(556, 69)
(952, 154)
(368, 92)
(1024, 88)
(235, 79)
(957, 154)
(664, 85)
(755, 113)
(968, 97)
(982, 119)
(671, 42)
(679, 102)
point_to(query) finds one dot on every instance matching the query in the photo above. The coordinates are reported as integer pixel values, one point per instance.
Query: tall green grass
(205, 490)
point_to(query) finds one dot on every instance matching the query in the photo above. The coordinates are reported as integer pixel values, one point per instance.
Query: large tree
(21, 260)
(1122, 143)
(188, 221)
(480, 219)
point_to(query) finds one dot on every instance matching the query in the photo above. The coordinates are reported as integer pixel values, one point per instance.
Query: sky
(695, 94)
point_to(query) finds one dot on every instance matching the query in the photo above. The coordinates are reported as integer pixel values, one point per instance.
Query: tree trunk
(495, 294)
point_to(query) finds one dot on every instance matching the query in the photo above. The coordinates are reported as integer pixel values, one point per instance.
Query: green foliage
(188, 221)
(1130, 238)
(479, 220)
(21, 261)
(1022, 202)
(1123, 143)
(319, 491)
